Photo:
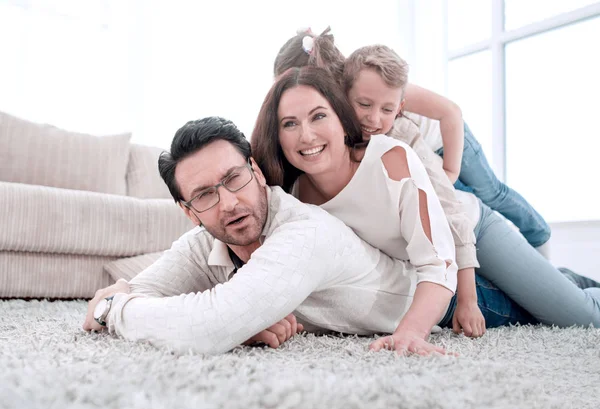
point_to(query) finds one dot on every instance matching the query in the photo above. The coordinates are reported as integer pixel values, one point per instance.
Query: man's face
(239, 217)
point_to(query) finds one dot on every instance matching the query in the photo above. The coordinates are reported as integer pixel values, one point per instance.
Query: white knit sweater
(309, 263)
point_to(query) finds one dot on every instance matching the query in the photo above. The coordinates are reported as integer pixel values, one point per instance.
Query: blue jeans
(551, 295)
(476, 176)
(497, 308)
(517, 284)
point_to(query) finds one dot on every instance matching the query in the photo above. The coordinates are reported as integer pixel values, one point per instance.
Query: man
(258, 255)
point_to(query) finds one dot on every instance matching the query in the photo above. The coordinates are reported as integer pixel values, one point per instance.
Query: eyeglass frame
(188, 204)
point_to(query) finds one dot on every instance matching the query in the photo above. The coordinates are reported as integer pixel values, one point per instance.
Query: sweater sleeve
(461, 224)
(180, 270)
(280, 275)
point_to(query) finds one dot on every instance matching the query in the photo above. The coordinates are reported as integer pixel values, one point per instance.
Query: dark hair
(324, 54)
(266, 148)
(192, 137)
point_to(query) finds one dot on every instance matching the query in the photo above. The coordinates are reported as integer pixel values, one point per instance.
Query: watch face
(100, 307)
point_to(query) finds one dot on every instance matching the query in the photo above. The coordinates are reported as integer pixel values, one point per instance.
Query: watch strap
(102, 318)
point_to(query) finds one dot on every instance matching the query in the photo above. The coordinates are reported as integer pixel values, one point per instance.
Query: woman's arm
(468, 317)
(427, 103)
(436, 268)
(461, 223)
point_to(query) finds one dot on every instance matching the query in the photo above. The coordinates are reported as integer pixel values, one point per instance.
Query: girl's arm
(467, 316)
(427, 103)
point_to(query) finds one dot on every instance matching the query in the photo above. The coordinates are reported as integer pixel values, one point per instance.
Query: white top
(385, 213)
(309, 263)
(461, 209)
(429, 129)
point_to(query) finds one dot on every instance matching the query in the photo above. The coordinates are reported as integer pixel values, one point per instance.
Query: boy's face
(376, 104)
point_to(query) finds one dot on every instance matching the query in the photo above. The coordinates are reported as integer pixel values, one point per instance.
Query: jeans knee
(493, 194)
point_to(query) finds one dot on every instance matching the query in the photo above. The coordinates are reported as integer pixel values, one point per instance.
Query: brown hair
(266, 148)
(324, 54)
(392, 69)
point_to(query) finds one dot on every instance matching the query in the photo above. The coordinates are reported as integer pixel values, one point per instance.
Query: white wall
(149, 66)
(577, 246)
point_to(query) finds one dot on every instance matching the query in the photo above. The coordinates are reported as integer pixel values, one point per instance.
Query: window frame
(496, 43)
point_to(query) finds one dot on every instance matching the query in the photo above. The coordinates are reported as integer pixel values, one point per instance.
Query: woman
(304, 141)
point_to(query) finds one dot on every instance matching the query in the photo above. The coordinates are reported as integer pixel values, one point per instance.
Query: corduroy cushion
(39, 154)
(66, 221)
(143, 179)
(129, 267)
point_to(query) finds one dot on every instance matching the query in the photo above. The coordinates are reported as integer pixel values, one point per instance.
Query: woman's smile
(312, 152)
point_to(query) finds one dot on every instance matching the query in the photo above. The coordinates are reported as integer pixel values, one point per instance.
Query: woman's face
(310, 133)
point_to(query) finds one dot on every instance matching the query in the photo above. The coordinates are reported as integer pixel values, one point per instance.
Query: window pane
(470, 86)
(469, 22)
(518, 13)
(553, 139)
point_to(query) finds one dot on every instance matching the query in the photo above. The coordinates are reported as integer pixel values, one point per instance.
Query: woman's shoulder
(380, 145)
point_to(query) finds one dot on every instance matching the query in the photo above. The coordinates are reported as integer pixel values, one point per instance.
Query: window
(468, 22)
(518, 13)
(469, 85)
(552, 131)
(537, 63)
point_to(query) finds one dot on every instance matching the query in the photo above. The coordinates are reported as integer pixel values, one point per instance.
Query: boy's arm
(427, 103)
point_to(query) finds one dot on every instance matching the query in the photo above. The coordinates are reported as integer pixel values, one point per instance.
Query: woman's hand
(406, 342)
(468, 318)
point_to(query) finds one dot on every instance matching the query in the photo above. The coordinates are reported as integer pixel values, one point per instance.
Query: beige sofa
(72, 203)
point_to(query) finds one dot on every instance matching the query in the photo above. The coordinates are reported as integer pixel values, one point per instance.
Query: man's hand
(406, 342)
(278, 333)
(90, 323)
(469, 319)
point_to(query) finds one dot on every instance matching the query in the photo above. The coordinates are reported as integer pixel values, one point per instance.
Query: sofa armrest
(53, 220)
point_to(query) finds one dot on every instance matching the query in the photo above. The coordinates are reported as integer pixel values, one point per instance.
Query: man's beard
(249, 234)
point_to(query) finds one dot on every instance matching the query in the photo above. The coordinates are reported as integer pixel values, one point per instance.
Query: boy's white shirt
(429, 129)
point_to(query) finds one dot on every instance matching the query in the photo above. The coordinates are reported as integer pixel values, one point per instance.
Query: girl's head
(374, 79)
(308, 49)
(305, 125)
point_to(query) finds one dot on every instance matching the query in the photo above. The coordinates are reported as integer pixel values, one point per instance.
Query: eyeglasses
(208, 198)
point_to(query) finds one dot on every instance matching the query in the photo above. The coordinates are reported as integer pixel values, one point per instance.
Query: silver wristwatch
(102, 309)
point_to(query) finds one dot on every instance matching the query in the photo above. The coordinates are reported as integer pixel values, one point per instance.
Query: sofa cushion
(129, 267)
(52, 220)
(39, 154)
(143, 179)
(40, 275)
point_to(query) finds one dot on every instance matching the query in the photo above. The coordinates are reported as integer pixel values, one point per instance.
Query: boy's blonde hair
(392, 69)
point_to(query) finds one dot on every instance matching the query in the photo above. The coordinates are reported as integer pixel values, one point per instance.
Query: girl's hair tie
(307, 44)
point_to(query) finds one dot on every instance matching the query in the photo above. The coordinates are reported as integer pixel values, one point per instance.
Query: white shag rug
(48, 361)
